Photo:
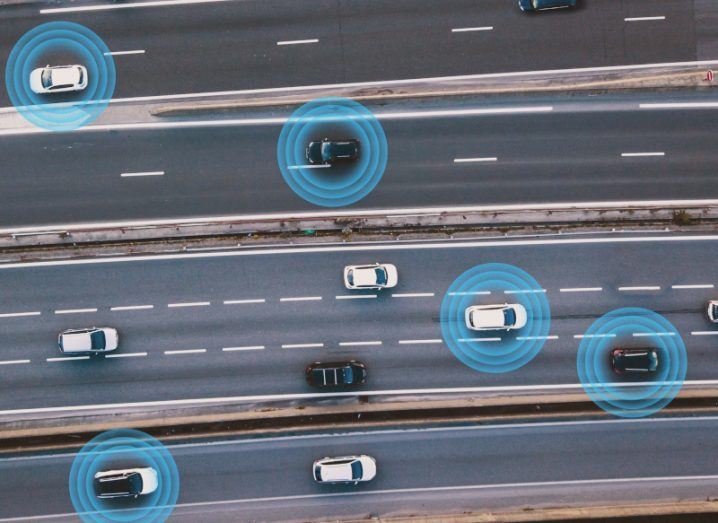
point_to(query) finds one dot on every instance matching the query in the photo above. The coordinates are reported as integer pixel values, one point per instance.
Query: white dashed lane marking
(695, 286)
(644, 288)
(414, 295)
(185, 351)
(240, 302)
(132, 308)
(127, 355)
(75, 311)
(420, 342)
(358, 343)
(301, 298)
(581, 289)
(14, 362)
(67, 358)
(302, 345)
(247, 347)
(189, 304)
(19, 314)
(356, 297)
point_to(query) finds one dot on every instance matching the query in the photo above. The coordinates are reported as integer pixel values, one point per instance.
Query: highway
(563, 149)
(248, 44)
(244, 323)
(419, 470)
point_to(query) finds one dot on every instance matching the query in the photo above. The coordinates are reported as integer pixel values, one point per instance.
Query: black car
(328, 152)
(336, 374)
(634, 361)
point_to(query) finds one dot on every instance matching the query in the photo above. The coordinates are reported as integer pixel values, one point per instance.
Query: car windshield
(327, 151)
(348, 375)
(356, 470)
(350, 277)
(98, 340)
(46, 78)
(509, 317)
(380, 276)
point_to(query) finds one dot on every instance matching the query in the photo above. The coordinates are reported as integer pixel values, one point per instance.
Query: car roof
(76, 341)
(65, 75)
(489, 317)
(341, 471)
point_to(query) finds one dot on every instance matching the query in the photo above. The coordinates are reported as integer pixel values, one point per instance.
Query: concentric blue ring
(118, 449)
(334, 118)
(495, 283)
(631, 327)
(85, 48)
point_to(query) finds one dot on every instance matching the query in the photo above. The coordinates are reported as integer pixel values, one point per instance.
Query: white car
(713, 311)
(375, 276)
(93, 340)
(346, 469)
(509, 316)
(58, 79)
(125, 483)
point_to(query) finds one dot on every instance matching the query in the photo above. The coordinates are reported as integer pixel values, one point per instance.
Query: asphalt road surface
(566, 149)
(236, 44)
(449, 470)
(246, 323)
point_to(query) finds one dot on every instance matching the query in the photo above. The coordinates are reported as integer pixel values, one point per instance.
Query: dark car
(634, 361)
(540, 5)
(328, 152)
(336, 374)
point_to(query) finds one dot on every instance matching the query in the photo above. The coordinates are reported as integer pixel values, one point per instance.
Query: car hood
(36, 80)
(369, 467)
(392, 275)
(112, 339)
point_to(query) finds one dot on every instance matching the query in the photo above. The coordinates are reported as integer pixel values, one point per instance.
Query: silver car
(93, 340)
(58, 79)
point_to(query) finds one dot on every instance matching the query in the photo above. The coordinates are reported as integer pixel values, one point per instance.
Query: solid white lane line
(302, 345)
(132, 308)
(185, 351)
(108, 7)
(696, 286)
(414, 295)
(188, 304)
(446, 113)
(471, 29)
(123, 53)
(704, 333)
(475, 160)
(371, 247)
(356, 297)
(310, 166)
(301, 298)
(313, 395)
(14, 362)
(644, 18)
(127, 355)
(67, 358)
(581, 289)
(651, 334)
(146, 173)
(420, 342)
(239, 302)
(247, 347)
(679, 105)
(75, 311)
(644, 288)
(525, 291)
(530, 338)
(581, 336)
(358, 343)
(299, 42)
(19, 314)
(470, 293)
(631, 155)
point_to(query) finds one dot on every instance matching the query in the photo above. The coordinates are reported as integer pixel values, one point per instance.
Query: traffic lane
(145, 371)
(569, 156)
(411, 459)
(234, 45)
